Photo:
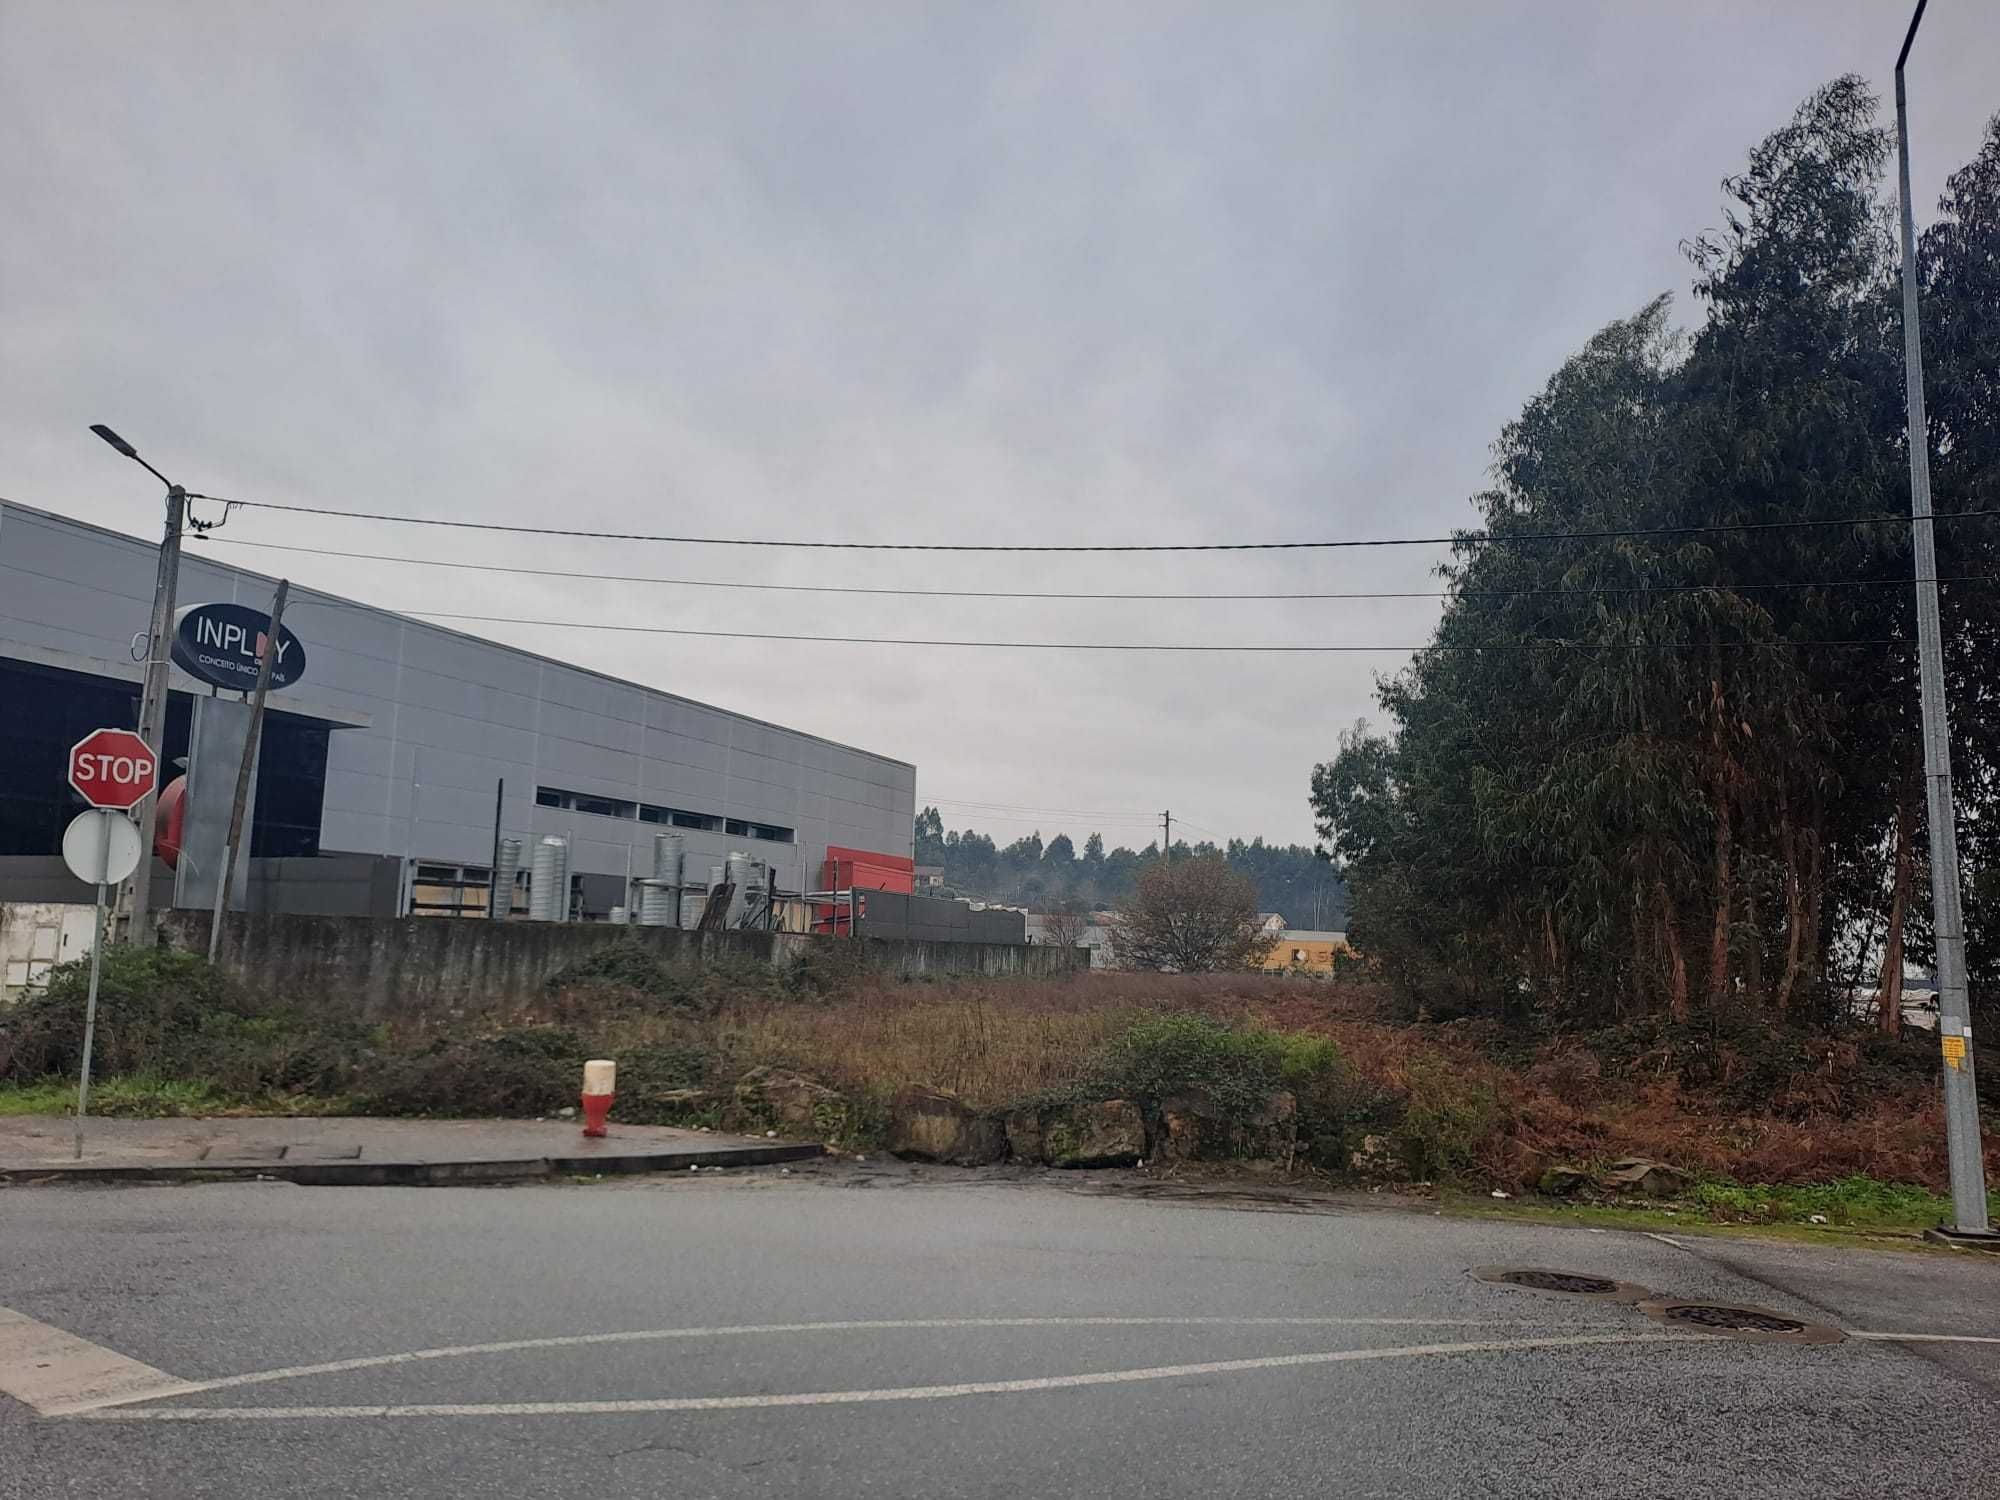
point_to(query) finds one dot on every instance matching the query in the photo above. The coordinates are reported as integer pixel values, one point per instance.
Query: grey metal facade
(427, 720)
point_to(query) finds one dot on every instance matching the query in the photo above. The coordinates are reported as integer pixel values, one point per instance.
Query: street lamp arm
(129, 451)
(1911, 35)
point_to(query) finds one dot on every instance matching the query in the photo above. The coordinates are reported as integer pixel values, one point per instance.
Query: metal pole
(96, 966)
(153, 705)
(1961, 1097)
(267, 659)
(493, 873)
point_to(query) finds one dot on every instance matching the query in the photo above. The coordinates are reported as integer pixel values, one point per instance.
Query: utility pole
(267, 656)
(1167, 838)
(153, 697)
(1961, 1097)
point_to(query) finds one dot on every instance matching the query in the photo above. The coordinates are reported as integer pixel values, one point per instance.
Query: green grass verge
(1852, 1208)
(145, 1096)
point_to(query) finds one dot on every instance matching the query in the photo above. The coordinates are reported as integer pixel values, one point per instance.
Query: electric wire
(915, 593)
(1466, 538)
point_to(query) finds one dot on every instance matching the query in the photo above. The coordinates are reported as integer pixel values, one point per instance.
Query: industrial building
(385, 766)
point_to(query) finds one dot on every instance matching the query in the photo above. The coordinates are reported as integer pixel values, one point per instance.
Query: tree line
(1678, 770)
(1292, 879)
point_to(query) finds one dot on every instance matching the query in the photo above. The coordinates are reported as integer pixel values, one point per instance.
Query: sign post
(269, 643)
(114, 771)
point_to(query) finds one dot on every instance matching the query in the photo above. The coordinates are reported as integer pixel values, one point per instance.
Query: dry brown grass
(996, 1041)
(988, 1041)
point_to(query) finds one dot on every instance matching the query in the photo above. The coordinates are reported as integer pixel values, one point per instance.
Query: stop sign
(112, 768)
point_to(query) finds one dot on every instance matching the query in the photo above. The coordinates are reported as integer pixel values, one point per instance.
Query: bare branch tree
(1063, 929)
(1191, 916)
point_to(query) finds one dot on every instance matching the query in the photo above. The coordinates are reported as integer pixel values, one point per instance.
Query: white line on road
(58, 1373)
(1923, 1338)
(847, 1398)
(644, 1335)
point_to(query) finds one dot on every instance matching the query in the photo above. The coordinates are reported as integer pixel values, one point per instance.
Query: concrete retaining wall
(428, 970)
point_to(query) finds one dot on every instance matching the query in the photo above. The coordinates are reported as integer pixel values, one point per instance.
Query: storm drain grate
(1559, 1281)
(1756, 1325)
(1568, 1283)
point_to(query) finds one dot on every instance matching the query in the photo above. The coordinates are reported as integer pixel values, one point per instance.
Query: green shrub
(664, 1065)
(1238, 1067)
(626, 965)
(1446, 1120)
(150, 1003)
(167, 1014)
(534, 1070)
(825, 970)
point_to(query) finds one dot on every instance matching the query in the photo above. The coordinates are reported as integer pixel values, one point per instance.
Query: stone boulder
(933, 1125)
(1563, 1179)
(796, 1104)
(1652, 1179)
(1376, 1157)
(1026, 1134)
(1102, 1133)
(1193, 1126)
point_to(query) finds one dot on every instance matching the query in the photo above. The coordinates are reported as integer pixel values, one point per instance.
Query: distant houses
(1294, 950)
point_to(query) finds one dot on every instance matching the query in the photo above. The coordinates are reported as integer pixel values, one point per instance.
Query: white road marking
(1923, 1338)
(58, 1373)
(644, 1335)
(846, 1398)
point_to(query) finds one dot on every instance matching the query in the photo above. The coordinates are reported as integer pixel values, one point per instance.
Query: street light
(153, 698)
(1961, 1097)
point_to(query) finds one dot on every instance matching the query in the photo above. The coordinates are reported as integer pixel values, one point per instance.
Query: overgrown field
(1466, 1103)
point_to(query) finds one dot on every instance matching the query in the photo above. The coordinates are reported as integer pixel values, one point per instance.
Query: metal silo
(656, 904)
(741, 873)
(545, 874)
(503, 879)
(669, 855)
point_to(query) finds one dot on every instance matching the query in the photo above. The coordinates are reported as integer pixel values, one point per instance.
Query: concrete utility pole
(1167, 839)
(267, 657)
(1961, 1097)
(153, 697)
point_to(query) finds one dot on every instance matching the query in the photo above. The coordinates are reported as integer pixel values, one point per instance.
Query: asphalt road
(1229, 1352)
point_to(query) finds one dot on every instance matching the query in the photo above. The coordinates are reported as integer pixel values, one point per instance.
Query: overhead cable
(1450, 539)
(1111, 595)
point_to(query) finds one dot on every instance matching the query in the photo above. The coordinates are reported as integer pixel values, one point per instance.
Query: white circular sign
(101, 847)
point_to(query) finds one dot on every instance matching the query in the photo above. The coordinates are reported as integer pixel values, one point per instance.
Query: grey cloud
(1037, 273)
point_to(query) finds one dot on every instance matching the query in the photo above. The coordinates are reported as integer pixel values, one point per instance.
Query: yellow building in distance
(1300, 951)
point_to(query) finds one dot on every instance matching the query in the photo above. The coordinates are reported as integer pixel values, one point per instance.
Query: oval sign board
(218, 643)
(101, 847)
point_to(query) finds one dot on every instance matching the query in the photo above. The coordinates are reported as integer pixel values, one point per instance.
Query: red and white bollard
(600, 1082)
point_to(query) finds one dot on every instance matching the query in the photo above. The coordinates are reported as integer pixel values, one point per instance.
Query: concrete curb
(418, 1172)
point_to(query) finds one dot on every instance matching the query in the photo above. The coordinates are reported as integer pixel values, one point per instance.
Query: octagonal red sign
(112, 768)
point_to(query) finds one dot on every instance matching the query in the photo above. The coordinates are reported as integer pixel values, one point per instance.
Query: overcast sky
(979, 273)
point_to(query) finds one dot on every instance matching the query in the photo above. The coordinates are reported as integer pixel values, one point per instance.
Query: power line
(1205, 647)
(1052, 812)
(828, 588)
(1466, 538)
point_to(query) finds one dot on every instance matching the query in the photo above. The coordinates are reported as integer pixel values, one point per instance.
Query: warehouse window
(584, 802)
(770, 832)
(671, 817)
(678, 817)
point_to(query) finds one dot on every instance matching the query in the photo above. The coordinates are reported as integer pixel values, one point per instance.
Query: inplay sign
(112, 768)
(219, 644)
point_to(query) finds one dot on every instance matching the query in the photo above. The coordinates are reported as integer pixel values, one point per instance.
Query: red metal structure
(859, 870)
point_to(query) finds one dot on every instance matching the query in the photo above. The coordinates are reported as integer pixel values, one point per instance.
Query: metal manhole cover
(1754, 1325)
(1568, 1283)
